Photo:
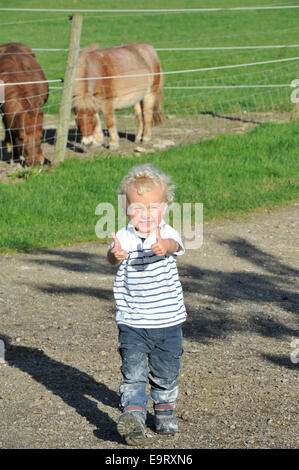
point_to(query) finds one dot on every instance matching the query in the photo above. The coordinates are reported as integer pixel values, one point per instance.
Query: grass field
(170, 30)
(230, 175)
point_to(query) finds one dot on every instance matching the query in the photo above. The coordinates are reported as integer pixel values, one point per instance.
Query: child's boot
(131, 426)
(165, 422)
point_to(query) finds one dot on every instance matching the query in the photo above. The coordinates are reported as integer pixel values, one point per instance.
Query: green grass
(225, 28)
(231, 175)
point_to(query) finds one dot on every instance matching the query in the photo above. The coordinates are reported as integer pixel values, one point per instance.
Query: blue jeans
(154, 354)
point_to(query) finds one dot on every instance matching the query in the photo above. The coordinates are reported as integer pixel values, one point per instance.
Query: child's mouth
(145, 224)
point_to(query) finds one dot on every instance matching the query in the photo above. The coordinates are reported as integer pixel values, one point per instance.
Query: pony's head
(29, 135)
(87, 123)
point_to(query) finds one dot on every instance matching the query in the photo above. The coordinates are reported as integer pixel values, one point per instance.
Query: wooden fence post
(295, 101)
(68, 86)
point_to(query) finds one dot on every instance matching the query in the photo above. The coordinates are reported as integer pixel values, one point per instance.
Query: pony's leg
(98, 134)
(8, 141)
(149, 101)
(108, 111)
(139, 115)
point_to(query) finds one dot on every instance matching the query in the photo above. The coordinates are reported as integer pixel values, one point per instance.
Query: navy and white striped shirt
(147, 289)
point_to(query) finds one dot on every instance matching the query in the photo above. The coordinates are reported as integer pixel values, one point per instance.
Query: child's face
(146, 210)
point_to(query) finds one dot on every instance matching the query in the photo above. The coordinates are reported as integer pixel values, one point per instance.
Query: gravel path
(239, 384)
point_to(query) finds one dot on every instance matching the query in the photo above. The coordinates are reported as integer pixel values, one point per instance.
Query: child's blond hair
(144, 177)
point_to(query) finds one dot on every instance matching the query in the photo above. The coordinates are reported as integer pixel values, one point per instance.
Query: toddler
(149, 301)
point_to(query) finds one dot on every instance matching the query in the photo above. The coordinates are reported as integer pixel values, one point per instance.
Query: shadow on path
(277, 285)
(69, 383)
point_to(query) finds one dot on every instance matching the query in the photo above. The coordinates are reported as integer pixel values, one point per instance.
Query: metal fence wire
(198, 102)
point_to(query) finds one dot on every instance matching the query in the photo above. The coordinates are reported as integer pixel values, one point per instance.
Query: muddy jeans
(154, 354)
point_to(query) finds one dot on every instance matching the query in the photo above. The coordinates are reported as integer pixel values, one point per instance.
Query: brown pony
(134, 79)
(21, 110)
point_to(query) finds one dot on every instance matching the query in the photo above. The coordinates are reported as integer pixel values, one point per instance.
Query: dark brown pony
(21, 110)
(134, 79)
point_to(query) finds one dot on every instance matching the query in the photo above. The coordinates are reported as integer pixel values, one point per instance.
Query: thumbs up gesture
(117, 250)
(161, 245)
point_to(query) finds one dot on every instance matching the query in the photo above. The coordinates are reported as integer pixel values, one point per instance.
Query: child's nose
(145, 213)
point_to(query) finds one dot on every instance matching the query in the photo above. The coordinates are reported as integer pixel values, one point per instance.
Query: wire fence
(199, 101)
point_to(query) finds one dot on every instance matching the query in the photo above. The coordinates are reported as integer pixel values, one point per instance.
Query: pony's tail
(158, 111)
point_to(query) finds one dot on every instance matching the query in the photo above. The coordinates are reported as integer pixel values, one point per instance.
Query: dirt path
(239, 386)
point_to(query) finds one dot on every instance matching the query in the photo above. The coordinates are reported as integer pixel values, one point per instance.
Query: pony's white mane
(88, 49)
(83, 99)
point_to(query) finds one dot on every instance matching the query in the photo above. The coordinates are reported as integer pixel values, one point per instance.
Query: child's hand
(117, 250)
(161, 245)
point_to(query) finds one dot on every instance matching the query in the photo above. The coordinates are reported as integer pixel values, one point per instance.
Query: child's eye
(134, 208)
